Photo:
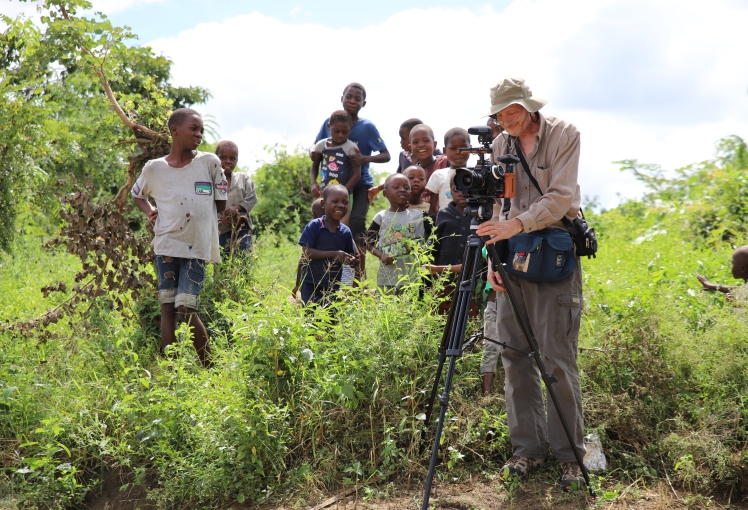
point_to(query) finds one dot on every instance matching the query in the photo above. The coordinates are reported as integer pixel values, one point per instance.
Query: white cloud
(112, 6)
(656, 80)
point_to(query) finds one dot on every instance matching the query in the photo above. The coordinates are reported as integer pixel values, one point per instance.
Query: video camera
(485, 182)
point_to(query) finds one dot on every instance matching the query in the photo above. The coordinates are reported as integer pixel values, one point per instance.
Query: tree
(57, 113)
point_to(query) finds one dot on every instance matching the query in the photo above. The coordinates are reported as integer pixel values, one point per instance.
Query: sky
(659, 81)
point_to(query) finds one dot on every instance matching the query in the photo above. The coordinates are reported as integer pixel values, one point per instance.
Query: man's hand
(494, 279)
(706, 284)
(499, 230)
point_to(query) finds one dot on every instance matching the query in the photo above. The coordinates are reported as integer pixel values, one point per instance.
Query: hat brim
(532, 105)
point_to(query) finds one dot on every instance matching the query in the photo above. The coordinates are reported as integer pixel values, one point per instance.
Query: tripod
(454, 332)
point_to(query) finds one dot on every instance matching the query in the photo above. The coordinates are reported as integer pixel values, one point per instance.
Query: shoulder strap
(567, 223)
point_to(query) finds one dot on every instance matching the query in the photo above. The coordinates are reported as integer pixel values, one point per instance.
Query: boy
(439, 184)
(327, 244)
(317, 212)
(737, 294)
(396, 230)
(406, 157)
(422, 145)
(417, 177)
(366, 137)
(452, 231)
(333, 155)
(189, 189)
(234, 225)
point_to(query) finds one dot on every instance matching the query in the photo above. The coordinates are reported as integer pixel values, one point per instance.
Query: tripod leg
(441, 356)
(456, 333)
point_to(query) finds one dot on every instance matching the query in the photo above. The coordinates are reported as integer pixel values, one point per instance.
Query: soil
(539, 492)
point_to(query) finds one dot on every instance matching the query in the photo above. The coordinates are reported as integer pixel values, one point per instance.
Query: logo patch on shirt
(136, 189)
(223, 187)
(203, 188)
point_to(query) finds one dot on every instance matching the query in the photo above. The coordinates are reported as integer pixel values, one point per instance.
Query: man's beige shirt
(554, 162)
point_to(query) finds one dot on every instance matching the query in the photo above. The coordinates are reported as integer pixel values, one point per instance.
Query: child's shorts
(179, 280)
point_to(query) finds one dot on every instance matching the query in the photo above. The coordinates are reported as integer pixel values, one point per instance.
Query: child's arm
(314, 172)
(298, 277)
(711, 287)
(339, 255)
(457, 268)
(433, 204)
(356, 175)
(145, 206)
(372, 235)
(374, 191)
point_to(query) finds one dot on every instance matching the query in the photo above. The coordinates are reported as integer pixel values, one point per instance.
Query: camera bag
(584, 237)
(542, 256)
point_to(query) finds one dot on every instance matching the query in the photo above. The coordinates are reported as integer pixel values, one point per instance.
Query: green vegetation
(303, 400)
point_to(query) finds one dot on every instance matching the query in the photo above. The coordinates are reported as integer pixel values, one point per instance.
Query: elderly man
(551, 148)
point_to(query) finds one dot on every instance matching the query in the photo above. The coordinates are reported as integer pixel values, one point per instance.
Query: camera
(486, 181)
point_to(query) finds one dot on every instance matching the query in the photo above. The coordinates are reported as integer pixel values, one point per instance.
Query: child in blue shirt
(327, 244)
(366, 137)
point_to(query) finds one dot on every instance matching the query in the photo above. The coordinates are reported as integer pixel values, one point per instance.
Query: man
(551, 148)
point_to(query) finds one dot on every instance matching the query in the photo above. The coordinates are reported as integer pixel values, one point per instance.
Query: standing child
(317, 212)
(452, 231)
(327, 244)
(189, 190)
(366, 137)
(422, 145)
(417, 177)
(234, 224)
(396, 231)
(332, 157)
(439, 184)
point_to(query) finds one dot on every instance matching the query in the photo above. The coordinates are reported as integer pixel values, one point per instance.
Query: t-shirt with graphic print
(335, 167)
(187, 222)
(439, 184)
(366, 137)
(397, 234)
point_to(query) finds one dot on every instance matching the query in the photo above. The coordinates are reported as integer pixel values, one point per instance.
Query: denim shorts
(179, 280)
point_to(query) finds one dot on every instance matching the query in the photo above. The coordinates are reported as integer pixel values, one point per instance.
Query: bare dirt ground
(478, 493)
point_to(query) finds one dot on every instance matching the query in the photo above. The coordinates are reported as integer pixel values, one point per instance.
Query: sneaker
(572, 478)
(520, 467)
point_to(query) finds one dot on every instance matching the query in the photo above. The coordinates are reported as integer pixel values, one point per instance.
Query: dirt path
(479, 493)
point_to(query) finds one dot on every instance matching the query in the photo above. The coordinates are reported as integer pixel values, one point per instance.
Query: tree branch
(110, 95)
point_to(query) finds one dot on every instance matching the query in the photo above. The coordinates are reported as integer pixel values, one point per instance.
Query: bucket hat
(513, 91)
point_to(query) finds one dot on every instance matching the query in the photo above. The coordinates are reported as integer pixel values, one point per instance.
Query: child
(333, 155)
(439, 184)
(396, 230)
(406, 157)
(452, 231)
(422, 145)
(417, 177)
(738, 294)
(366, 137)
(317, 212)
(234, 225)
(327, 244)
(189, 190)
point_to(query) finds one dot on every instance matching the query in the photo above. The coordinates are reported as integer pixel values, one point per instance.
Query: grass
(317, 401)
